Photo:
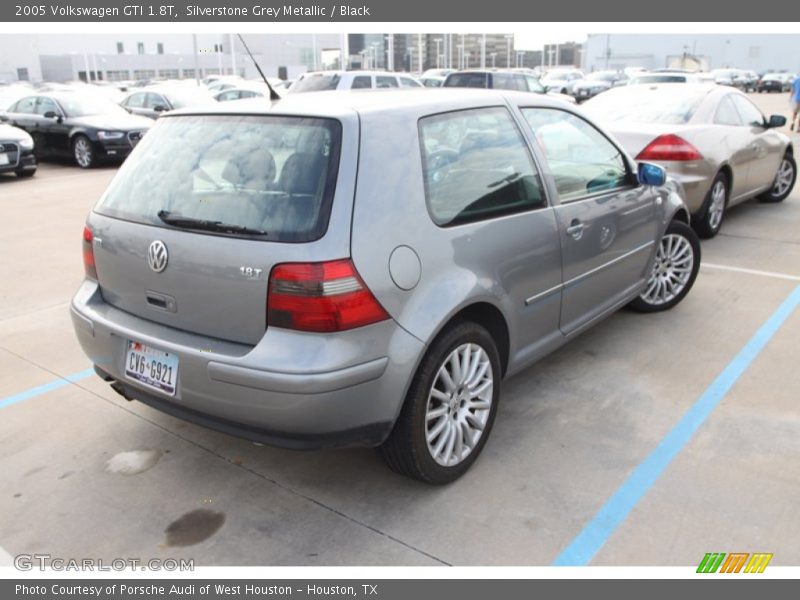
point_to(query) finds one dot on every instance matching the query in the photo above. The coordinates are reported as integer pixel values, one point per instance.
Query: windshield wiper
(205, 225)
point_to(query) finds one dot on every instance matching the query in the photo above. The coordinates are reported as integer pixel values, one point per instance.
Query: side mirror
(51, 114)
(776, 121)
(650, 174)
(160, 108)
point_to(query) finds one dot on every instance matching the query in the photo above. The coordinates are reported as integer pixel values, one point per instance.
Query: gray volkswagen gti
(364, 268)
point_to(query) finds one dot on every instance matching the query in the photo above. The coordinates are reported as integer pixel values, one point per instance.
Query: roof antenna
(273, 95)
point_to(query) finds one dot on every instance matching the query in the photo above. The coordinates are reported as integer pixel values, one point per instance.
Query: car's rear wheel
(83, 152)
(710, 221)
(449, 409)
(674, 270)
(784, 181)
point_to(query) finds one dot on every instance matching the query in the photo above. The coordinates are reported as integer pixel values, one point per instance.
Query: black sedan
(152, 102)
(771, 83)
(87, 128)
(16, 152)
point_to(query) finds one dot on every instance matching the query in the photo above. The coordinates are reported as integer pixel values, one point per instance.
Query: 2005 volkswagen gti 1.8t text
(363, 268)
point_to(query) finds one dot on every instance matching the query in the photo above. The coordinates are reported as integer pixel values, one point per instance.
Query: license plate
(4, 160)
(153, 368)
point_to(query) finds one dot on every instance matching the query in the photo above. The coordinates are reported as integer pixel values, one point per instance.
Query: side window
(46, 105)
(154, 100)
(229, 95)
(583, 161)
(408, 82)
(135, 100)
(726, 113)
(503, 81)
(476, 166)
(26, 105)
(534, 85)
(748, 111)
(361, 82)
(385, 81)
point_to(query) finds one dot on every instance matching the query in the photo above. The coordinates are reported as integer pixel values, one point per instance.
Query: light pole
(233, 53)
(508, 49)
(494, 56)
(483, 51)
(438, 55)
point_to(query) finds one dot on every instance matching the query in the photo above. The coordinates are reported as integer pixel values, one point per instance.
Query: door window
(726, 113)
(476, 166)
(46, 105)
(748, 111)
(154, 100)
(361, 82)
(383, 81)
(583, 161)
(136, 100)
(26, 105)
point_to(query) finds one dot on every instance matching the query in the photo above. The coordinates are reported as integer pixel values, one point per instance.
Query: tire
(83, 152)
(411, 448)
(674, 270)
(709, 222)
(25, 174)
(784, 181)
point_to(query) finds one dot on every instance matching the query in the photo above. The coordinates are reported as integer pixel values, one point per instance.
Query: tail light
(88, 253)
(320, 297)
(670, 147)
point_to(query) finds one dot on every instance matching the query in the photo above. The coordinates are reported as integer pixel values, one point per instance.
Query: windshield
(84, 106)
(316, 82)
(272, 177)
(658, 79)
(643, 105)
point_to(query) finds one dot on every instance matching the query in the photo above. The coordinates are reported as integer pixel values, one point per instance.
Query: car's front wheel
(784, 181)
(674, 270)
(449, 409)
(23, 174)
(83, 152)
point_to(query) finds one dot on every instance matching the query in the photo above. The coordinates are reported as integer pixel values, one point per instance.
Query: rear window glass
(471, 80)
(645, 105)
(317, 82)
(476, 166)
(272, 174)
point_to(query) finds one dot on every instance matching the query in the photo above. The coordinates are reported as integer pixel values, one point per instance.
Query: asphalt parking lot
(84, 473)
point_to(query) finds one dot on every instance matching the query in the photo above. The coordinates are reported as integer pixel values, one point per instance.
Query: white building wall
(759, 52)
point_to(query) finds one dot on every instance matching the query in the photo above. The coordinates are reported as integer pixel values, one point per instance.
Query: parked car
(240, 93)
(16, 152)
(432, 81)
(712, 139)
(499, 79)
(596, 83)
(774, 82)
(562, 80)
(373, 283)
(88, 128)
(320, 81)
(152, 102)
(669, 77)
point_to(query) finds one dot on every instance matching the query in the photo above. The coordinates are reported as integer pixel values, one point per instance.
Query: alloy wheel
(717, 207)
(459, 404)
(671, 271)
(784, 178)
(83, 152)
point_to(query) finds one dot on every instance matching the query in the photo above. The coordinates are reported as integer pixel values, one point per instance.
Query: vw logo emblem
(157, 256)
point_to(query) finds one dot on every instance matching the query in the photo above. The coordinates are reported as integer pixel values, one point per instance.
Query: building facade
(758, 52)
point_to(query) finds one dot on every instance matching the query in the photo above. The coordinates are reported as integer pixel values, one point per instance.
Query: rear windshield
(644, 105)
(470, 80)
(317, 82)
(271, 174)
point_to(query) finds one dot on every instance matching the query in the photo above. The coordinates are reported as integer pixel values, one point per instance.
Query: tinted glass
(382, 81)
(471, 80)
(748, 111)
(408, 82)
(46, 105)
(658, 79)
(583, 161)
(26, 105)
(504, 81)
(726, 113)
(476, 166)
(274, 174)
(136, 100)
(154, 100)
(315, 82)
(361, 82)
(534, 85)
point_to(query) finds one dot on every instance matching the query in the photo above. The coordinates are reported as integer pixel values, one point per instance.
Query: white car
(318, 81)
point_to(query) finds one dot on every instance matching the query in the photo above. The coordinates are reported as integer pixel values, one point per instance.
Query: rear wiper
(205, 225)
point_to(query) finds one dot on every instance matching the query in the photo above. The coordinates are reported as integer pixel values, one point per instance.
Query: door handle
(575, 229)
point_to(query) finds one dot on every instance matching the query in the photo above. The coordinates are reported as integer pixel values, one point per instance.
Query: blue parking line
(43, 389)
(595, 534)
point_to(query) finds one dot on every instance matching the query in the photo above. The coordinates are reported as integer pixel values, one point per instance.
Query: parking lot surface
(84, 473)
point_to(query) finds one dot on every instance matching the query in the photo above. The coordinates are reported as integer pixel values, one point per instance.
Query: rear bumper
(293, 390)
(695, 178)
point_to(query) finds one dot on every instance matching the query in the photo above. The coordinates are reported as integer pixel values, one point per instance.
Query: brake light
(88, 253)
(670, 147)
(320, 297)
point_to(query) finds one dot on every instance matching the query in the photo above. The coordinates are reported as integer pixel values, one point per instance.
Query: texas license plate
(153, 368)
(4, 160)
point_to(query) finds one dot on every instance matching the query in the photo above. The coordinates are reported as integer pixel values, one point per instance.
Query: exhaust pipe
(120, 389)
